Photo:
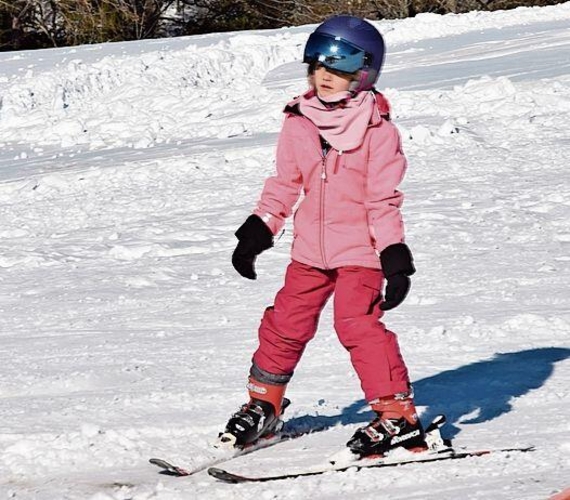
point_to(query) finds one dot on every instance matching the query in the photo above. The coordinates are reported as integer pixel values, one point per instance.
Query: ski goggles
(334, 53)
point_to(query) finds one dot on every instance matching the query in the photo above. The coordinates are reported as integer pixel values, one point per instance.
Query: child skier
(337, 147)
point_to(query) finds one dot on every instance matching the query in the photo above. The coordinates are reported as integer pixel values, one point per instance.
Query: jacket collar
(382, 105)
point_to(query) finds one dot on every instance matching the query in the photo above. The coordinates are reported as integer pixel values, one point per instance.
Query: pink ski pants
(292, 321)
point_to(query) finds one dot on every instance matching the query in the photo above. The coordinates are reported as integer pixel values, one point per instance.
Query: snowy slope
(125, 333)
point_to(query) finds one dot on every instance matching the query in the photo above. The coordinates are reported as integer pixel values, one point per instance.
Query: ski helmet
(347, 44)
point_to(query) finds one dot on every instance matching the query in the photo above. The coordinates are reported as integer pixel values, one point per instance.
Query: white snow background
(125, 333)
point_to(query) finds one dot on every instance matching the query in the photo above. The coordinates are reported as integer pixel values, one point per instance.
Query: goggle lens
(334, 53)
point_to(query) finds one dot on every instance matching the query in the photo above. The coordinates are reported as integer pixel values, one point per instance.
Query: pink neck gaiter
(344, 121)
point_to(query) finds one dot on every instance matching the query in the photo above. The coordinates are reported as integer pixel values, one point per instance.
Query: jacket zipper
(322, 203)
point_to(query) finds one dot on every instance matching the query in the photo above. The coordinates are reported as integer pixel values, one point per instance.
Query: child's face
(328, 81)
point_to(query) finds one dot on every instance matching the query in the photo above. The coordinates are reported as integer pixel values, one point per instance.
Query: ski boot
(396, 425)
(259, 418)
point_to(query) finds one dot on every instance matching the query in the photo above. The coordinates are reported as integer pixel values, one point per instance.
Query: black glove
(254, 237)
(397, 265)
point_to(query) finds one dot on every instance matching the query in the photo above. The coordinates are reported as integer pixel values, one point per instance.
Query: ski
(170, 469)
(433, 438)
(422, 457)
(276, 436)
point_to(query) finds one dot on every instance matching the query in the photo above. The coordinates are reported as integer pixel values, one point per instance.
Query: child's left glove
(254, 237)
(397, 265)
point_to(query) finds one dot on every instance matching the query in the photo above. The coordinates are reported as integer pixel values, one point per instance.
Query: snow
(126, 334)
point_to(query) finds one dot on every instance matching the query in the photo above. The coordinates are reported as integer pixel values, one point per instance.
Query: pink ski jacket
(350, 206)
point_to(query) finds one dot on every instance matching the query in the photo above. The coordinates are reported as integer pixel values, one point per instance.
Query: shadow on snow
(471, 394)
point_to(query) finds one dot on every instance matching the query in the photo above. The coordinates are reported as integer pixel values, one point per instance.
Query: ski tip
(523, 449)
(163, 464)
(168, 469)
(225, 476)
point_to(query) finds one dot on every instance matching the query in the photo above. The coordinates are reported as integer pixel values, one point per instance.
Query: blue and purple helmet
(348, 44)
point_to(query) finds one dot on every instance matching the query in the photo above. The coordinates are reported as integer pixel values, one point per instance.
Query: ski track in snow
(125, 332)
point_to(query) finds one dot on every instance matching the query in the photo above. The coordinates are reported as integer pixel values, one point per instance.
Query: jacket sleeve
(386, 168)
(282, 190)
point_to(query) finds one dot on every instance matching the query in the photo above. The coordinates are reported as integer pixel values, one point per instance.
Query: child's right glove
(254, 237)
(397, 266)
